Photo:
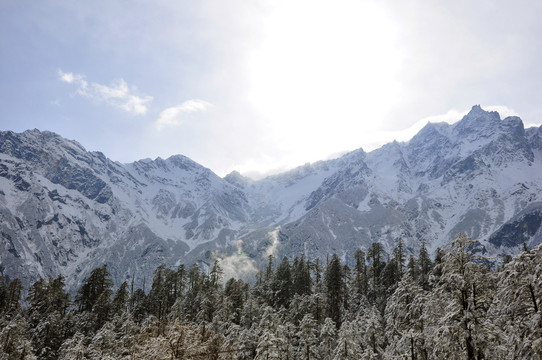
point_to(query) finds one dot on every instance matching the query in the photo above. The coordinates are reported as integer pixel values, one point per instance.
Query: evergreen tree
(360, 283)
(456, 308)
(399, 259)
(424, 266)
(3, 295)
(317, 301)
(94, 299)
(138, 307)
(215, 276)
(268, 346)
(328, 334)
(158, 299)
(301, 277)
(74, 347)
(281, 285)
(308, 339)
(413, 268)
(439, 255)
(267, 292)
(191, 304)
(10, 295)
(516, 308)
(301, 306)
(347, 279)
(179, 282)
(269, 342)
(369, 325)
(288, 341)
(95, 289)
(208, 299)
(334, 290)
(50, 324)
(389, 280)
(466, 289)
(405, 321)
(236, 292)
(376, 254)
(14, 343)
(103, 344)
(348, 343)
(247, 344)
(119, 304)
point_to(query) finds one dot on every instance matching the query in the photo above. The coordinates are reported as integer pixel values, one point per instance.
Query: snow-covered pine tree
(268, 346)
(308, 339)
(288, 341)
(516, 308)
(49, 320)
(460, 301)
(14, 343)
(405, 321)
(328, 334)
(370, 326)
(348, 342)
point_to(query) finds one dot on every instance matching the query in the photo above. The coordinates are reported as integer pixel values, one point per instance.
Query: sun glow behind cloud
(324, 73)
(290, 82)
(378, 138)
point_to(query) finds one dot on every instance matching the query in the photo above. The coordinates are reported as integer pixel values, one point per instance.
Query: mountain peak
(477, 121)
(476, 112)
(476, 109)
(182, 161)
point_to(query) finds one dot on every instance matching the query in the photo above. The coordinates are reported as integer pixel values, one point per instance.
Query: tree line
(386, 306)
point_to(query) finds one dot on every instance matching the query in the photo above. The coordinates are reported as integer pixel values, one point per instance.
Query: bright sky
(264, 85)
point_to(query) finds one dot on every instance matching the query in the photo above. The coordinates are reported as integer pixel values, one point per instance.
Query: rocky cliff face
(65, 210)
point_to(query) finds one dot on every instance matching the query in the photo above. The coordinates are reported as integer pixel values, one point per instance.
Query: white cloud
(118, 94)
(450, 117)
(66, 77)
(272, 249)
(503, 111)
(174, 116)
(238, 265)
(76, 79)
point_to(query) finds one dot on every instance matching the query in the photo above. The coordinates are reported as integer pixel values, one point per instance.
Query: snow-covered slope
(65, 210)
(474, 177)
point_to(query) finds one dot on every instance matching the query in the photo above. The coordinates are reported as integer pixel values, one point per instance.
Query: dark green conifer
(281, 285)
(334, 288)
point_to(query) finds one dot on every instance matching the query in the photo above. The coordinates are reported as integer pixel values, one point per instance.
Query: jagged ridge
(65, 210)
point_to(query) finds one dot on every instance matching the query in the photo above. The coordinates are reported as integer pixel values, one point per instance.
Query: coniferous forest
(458, 305)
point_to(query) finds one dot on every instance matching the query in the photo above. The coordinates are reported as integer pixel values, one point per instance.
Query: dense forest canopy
(387, 306)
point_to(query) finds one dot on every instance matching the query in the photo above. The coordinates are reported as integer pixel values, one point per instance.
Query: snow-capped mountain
(481, 176)
(64, 210)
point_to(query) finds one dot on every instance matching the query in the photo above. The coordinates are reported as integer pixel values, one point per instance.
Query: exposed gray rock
(64, 210)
